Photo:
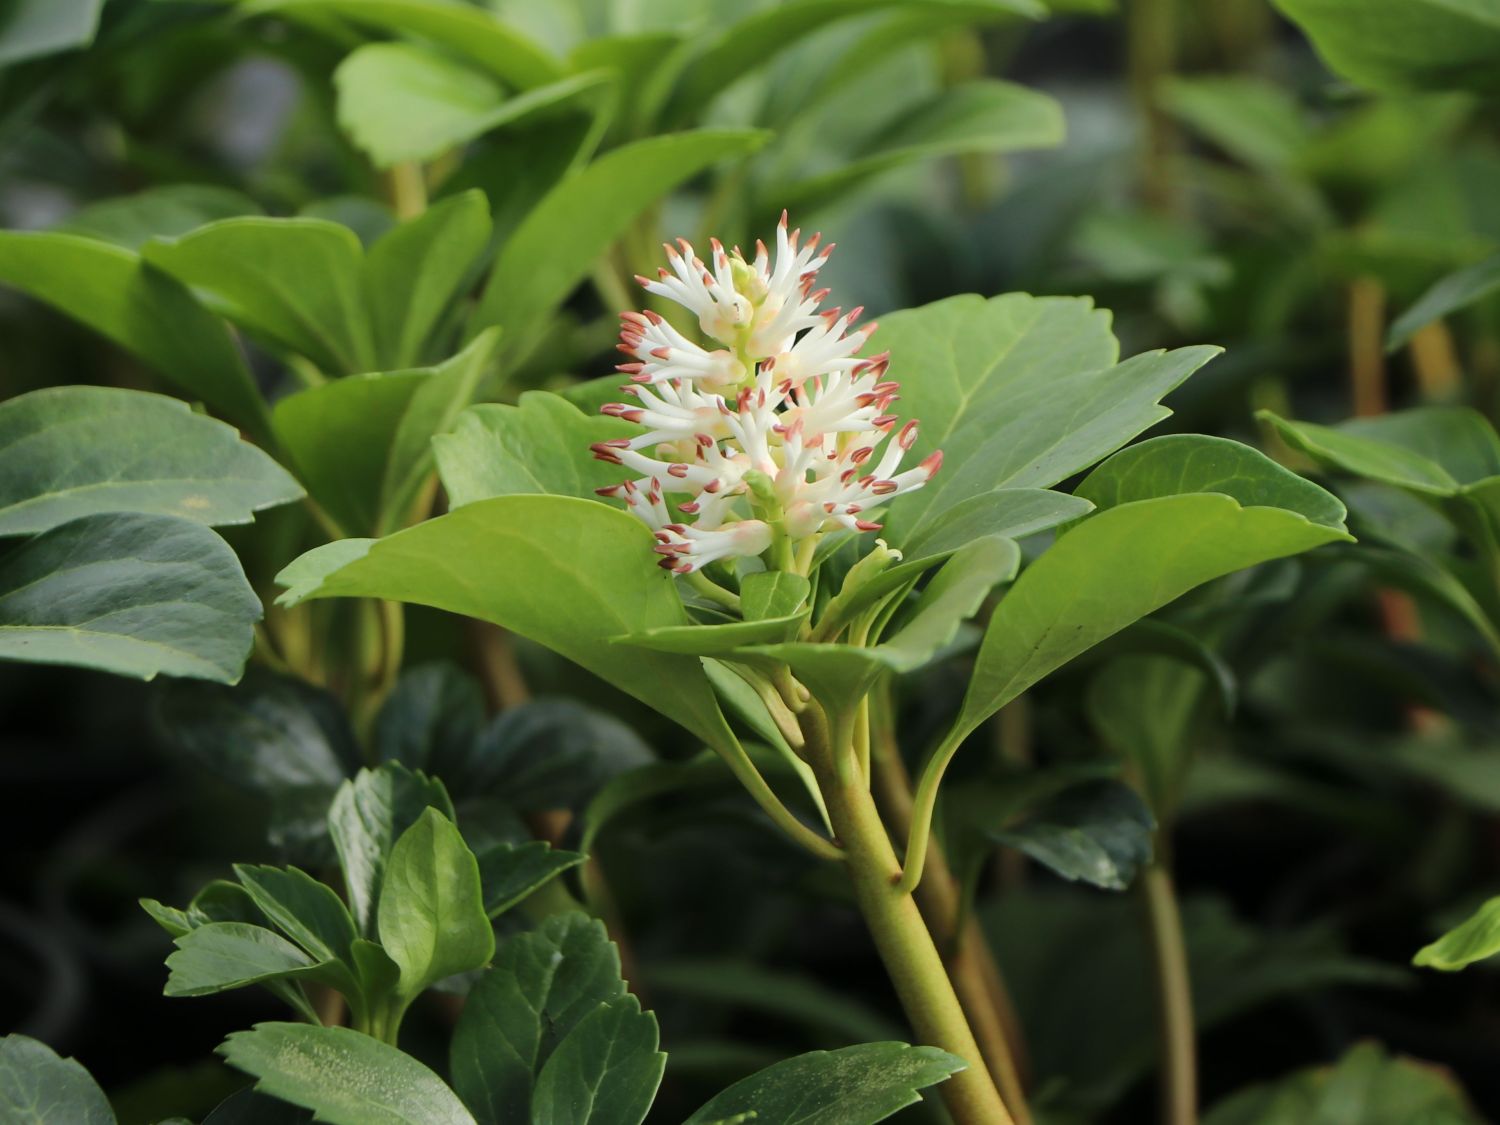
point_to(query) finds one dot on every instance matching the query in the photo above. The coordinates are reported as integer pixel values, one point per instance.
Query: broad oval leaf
(345, 1077)
(604, 1072)
(38, 1087)
(1475, 939)
(130, 594)
(67, 452)
(857, 1085)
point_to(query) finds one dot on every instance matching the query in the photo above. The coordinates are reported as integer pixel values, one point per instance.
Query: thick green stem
(901, 937)
(1179, 1064)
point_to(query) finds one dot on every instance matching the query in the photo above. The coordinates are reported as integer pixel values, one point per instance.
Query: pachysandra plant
(737, 565)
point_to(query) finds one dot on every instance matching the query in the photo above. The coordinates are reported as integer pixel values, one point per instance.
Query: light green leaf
(1477, 938)
(345, 1077)
(1402, 45)
(462, 28)
(772, 593)
(510, 872)
(1142, 707)
(1184, 463)
(1018, 392)
(1011, 513)
(1114, 568)
(294, 282)
(37, 1087)
(605, 1072)
(370, 812)
(304, 909)
(30, 29)
(1447, 295)
(222, 955)
(857, 1085)
(130, 594)
(542, 985)
(143, 310)
(564, 572)
(170, 210)
(563, 236)
(431, 916)
(540, 445)
(361, 443)
(1252, 119)
(74, 451)
(986, 116)
(1098, 833)
(413, 274)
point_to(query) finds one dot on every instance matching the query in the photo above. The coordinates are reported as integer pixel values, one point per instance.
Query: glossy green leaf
(38, 1087)
(462, 28)
(345, 1077)
(130, 594)
(1448, 295)
(772, 593)
(542, 985)
(1097, 833)
(431, 916)
(1114, 568)
(1018, 392)
(563, 236)
(539, 445)
(415, 271)
(510, 872)
(30, 29)
(146, 312)
(304, 909)
(361, 443)
(1405, 44)
(67, 452)
(1477, 938)
(1011, 513)
(604, 1072)
(1184, 463)
(986, 116)
(369, 814)
(564, 572)
(296, 283)
(222, 955)
(168, 210)
(857, 1085)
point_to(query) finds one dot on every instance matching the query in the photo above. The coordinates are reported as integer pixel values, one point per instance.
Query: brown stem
(1179, 1048)
(1151, 45)
(1435, 361)
(500, 673)
(1366, 347)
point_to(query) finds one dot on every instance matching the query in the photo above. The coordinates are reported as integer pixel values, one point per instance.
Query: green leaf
(1011, 513)
(369, 814)
(1403, 45)
(304, 909)
(857, 1085)
(146, 312)
(431, 720)
(247, 1107)
(431, 916)
(296, 283)
(1114, 568)
(772, 593)
(67, 452)
(1254, 120)
(37, 1087)
(542, 985)
(30, 29)
(538, 446)
(130, 594)
(414, 272)
(221, 955)
(462, 28)
(986, 116)
(564, 572)
(1098, 833)
(1431, 450)
(605, 1072)
(1475, 939)
(172, 209)
(511, 872)
(1366, 1085)
(1446, 296)
(1184, 463)
(361, 443)
(563, 236)
(1018, 392)
(345, 1077)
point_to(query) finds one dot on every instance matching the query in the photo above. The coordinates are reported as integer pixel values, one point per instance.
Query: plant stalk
(1179, 1063)
(901, 937)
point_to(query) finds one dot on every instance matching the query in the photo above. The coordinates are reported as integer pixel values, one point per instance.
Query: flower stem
(901, 937)
(1179, 1064)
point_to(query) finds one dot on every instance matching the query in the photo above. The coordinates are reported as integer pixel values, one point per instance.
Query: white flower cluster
(773, 434)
